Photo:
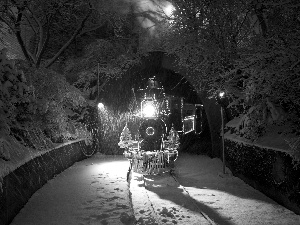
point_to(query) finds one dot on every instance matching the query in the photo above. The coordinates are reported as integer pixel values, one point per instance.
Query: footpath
(93, 191)
(96, 191)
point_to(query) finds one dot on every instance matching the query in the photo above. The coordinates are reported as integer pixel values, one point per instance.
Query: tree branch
(39, 56)
(89, 30)
(25, 51)
(41, 35)
(75, 34)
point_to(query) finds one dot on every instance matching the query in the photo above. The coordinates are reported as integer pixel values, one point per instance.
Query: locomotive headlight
(149, 109)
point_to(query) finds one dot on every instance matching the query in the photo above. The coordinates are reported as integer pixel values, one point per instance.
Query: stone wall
(20, 184)
(269, 171)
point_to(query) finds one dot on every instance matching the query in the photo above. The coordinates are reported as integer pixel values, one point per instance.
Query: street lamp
(221, 102)
(221, 94)
(100, 105)
(100, 114)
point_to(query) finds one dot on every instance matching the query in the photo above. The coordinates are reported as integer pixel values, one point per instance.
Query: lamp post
(99, 106)
(221, 98)
(98, 79)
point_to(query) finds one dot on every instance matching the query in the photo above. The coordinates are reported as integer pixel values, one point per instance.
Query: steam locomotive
(155, 148)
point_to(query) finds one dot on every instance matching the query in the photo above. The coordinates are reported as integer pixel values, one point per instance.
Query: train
(163, 119)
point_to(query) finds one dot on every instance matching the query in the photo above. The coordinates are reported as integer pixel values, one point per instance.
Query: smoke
(148, 12)
(152, 11)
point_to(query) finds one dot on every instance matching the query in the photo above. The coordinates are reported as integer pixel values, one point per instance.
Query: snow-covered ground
(227, 199)
(95, 191)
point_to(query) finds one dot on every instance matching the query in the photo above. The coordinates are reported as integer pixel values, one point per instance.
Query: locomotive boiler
(155, 147)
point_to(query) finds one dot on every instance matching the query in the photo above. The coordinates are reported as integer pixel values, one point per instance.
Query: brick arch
(160, 64)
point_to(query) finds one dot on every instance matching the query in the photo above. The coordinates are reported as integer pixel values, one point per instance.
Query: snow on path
(228, 200)
(163, 202)
(93, 191)
(200, 194)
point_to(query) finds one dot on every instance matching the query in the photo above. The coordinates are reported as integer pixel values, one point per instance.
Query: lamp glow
(169, 10)
(100, 105)
(221, 94)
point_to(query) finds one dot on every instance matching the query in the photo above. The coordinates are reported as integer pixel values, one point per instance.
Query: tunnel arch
(175, 80)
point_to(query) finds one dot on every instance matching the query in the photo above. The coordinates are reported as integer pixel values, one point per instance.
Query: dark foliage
(267, 170)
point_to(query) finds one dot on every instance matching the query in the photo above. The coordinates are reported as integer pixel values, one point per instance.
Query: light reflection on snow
(115, 167)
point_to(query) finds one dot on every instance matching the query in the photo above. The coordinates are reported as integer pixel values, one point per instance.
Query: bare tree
(45, 29)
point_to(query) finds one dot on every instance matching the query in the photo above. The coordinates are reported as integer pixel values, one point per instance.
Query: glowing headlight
(149, 110)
